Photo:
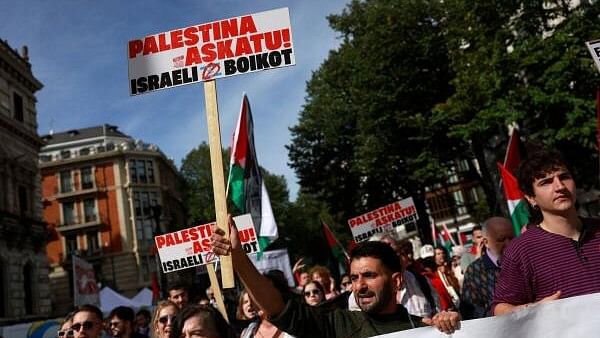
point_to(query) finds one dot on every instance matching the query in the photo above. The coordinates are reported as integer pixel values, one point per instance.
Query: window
(87, 180)
(89, 209)
(66, 181)
(150, 171)
(459, 201)
(84, 151)
(18, 106)
(92, 242)
(132, 171)
(68, 213)
(65, 154)
(141, 171)
(71, 244)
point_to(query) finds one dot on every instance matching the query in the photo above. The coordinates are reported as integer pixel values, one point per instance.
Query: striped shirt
(539, 263)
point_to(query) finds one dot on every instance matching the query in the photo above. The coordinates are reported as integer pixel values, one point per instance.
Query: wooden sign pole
(214, 284)
(216, 164)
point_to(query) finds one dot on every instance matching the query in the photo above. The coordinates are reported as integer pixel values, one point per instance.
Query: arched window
(28, 287)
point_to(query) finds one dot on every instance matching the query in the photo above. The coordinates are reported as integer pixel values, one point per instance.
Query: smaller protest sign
(85, 289)
(384, 219)
(191, 247)
(594, 48)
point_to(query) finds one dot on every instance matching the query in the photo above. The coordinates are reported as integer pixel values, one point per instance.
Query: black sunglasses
(346, 283)
(313, 292)
(85, 325)
(165, 319)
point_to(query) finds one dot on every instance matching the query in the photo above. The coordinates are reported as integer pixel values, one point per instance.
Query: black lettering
(262, 60)
(597, 50)
(177, 77)
(176, 265)
(275, 58)
(243, 64)
(165, 80)
(190, 261)
(252, 62)
(133, 87)
(254, 244)
(142, 84)
(194, 74)
(186, 77)
(287, 59)
(198, 259)
(229, 67)
(153, 82)
(247, 247)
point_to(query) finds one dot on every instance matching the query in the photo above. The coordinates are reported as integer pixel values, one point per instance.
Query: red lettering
(208, 50)
(185, 236)
(242, 46)
(244, 236)
(285, 35)
(176, 39)
(150, 45)
(193, 234)
(192, 56)
(162, 42)
(160, 241)
(216, 30)
(197, 247)
(205, 30)
(257, 41)
(273, 40)
(206, 244)
(135, 47)
(170, 240)
(247, 25)
(191, 38)
(252, 234)
(229, 28)
(224, 49)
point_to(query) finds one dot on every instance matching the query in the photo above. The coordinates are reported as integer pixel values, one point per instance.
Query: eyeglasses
(85, 325)
(66, 333)
(114, 323)
(166, 319)
(312, 292)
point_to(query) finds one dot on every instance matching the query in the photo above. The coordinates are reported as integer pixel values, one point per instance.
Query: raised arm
(260, 288)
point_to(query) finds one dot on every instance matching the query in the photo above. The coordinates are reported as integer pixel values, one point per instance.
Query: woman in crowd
(65, 328)
(162, 321)
(245, 313)
(321, 274)
(314, 294)
(201, 321)
(262, 327)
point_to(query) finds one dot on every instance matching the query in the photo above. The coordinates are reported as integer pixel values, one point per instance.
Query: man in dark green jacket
(376, 275)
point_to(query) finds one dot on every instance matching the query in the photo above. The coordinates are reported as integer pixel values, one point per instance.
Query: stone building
(105, 195)
(24, 287)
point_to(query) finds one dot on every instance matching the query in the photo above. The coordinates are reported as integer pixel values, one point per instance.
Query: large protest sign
(85, 289)
(191, 247)
(384, 219)
(211, 50)
(563, 318)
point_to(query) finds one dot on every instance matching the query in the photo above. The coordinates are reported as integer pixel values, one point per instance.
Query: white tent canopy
(110, 299)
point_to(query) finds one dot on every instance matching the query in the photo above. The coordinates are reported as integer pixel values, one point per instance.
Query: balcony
(85, 190)
(86, 222)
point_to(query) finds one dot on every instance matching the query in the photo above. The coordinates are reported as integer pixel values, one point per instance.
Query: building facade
(24, 287)
(105, 196)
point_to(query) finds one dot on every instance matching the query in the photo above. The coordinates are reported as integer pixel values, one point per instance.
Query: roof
(83, 133)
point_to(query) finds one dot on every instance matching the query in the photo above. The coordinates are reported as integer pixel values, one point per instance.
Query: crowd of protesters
(390, 285)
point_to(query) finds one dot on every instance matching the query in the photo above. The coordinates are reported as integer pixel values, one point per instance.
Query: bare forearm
(260, 288)
(504, 308)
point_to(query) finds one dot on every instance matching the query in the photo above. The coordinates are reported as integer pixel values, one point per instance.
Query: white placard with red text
(207, 51)
(384, 219)
(191, 247)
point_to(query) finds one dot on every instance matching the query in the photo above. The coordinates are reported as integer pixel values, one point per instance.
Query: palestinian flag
(446, 239)
(514, 197)
(245, 184)
(336, 248)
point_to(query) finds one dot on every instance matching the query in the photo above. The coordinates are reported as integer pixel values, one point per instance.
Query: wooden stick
(214, 284)
(216, 164)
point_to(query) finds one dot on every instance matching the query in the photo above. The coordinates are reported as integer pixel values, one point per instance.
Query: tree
(365, 135)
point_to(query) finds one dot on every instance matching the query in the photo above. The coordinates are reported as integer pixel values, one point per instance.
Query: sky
(77, 49)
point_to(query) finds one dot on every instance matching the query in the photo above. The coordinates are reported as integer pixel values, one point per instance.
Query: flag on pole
(245, 184)
(446, 239)
(514, 197)
(512, 159)
(336, 247)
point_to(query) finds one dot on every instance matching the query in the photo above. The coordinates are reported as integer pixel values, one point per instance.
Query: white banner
(274, 260)
(384, 219)
(576, 317)
(234, 46)
(85, 289)
(191, 247)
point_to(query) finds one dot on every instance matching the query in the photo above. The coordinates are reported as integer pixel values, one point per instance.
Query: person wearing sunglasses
(313, 293)
(164, 316)
(65, 330)
(87, 322)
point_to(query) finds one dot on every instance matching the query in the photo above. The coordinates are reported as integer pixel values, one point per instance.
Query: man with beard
(376, 276)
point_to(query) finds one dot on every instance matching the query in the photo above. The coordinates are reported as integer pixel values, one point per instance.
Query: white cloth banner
(575, 317)
(85, 289)
(274, 260)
